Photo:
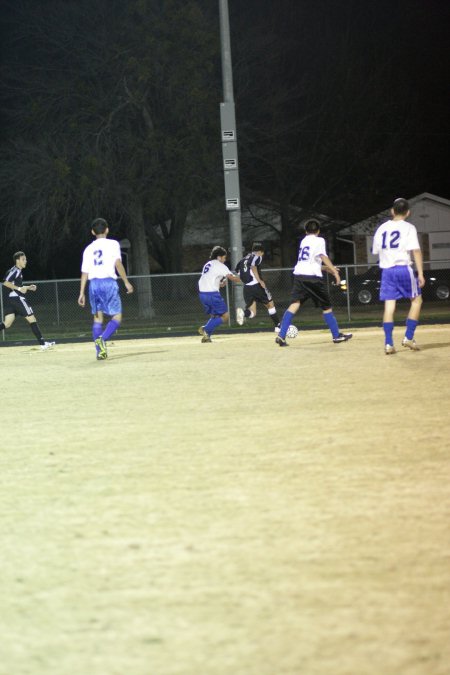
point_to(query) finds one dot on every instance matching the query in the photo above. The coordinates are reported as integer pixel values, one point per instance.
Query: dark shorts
(18, 306)
(256, 293)
(310, 287)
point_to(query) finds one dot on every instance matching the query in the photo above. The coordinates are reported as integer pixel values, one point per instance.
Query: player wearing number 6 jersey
(308, 283)
(214, 275)
(101, 260)
(393, 242)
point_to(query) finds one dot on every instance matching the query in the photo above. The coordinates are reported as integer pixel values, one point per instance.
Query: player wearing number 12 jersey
(393, 242)
(308, 283)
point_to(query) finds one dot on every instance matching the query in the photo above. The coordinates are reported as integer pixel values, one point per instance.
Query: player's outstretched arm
(123, 275)
(257, 276)
(81, 297)
(418, 259)
(233, 277)
(331, 268)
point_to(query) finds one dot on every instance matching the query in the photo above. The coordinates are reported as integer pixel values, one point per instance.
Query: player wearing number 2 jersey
(393, 242)
(308, 283)
(101, 260)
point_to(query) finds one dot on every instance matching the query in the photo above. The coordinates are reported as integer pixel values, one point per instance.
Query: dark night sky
(410, 36)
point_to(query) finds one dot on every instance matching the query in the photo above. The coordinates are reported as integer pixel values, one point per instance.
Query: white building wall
(430, 216)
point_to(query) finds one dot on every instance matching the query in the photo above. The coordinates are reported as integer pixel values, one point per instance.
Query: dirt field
(226, 509)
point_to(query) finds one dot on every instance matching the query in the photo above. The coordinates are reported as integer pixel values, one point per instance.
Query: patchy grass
(232, 507)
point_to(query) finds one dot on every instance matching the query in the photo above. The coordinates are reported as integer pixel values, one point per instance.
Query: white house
(431, 216)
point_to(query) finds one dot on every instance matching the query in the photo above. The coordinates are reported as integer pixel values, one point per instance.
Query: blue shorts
(213, 303)
(398, 282)
(104, 296)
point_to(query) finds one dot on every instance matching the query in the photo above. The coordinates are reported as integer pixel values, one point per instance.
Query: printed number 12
(393, 243)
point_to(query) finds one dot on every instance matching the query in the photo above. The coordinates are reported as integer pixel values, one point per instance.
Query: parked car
(364, 288)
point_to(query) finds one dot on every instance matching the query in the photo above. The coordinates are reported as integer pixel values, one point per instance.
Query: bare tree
(109, 112)
(324, 117)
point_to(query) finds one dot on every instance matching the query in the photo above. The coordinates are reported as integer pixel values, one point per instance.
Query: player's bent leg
(411, 324)
(37, 332)
(7, 321)
(332, 324)
(97, 330)
(416, 306)
(388, 326)
(389, 310)
(250, 311)
(212, 324)
(240, 316)
(111, 327)
(271, 309)
(287, 319)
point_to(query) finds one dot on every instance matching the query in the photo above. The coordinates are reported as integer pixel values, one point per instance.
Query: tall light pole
(229, 144)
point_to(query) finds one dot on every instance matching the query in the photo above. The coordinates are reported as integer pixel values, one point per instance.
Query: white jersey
(392, 242)
(309, 260)
(212, 274)
(99, 258)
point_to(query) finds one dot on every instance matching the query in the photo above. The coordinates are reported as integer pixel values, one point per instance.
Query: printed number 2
(303, 253)
(393, 242)
(98, 258)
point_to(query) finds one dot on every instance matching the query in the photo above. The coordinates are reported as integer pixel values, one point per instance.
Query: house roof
(369, 225)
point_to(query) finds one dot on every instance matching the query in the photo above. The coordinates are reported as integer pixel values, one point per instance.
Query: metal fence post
(227, 293)
(57, 304)
(349, 313)
(1, 307)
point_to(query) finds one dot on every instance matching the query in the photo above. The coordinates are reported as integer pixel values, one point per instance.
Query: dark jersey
(14, 276)
(244, 268)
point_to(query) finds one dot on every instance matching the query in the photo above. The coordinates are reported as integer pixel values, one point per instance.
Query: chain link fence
(163, 303)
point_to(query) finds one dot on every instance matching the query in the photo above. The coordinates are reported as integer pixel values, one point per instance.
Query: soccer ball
(292, 332)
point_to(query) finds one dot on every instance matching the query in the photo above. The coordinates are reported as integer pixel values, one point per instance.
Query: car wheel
(442, 292)
(364, 296)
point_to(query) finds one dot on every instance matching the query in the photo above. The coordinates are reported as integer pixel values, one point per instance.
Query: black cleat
(342, 337)
(281, 342)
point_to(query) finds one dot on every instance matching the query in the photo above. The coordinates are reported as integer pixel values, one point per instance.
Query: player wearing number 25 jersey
(393, 242)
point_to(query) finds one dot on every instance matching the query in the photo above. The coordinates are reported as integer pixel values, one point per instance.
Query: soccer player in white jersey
(393, 242)
(308, 283)
(101, 260)
(214, 275)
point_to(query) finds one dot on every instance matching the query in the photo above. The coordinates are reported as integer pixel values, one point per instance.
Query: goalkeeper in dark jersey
(255, 289)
